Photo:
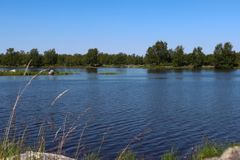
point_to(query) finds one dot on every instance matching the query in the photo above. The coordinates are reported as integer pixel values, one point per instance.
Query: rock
(41, 156)
(232, 153)
(51, 72)
(13, 70)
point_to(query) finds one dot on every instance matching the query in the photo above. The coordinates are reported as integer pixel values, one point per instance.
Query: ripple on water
(177, 108)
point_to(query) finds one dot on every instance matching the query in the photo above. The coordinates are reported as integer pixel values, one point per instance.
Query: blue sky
(131, 26)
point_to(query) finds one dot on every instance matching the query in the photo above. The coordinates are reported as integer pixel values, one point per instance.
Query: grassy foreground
(207, 150)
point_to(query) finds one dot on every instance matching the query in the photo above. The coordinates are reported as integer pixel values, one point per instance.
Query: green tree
(50, 57)
(91, 57)
(104, 58)
(11, 58)
(73, 60)
(238, 58)
(158, 53)
(61, 60)
(197, 57)
(35, 57)
(1, 59)
(178, 57)
(120, 59)
(209, 60)
(224, 56)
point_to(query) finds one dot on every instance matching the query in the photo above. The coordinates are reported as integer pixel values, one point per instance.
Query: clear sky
(131, 26)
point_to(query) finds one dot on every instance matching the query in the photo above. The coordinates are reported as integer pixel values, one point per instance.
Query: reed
(209, 149)
(11, 148)
(171, 155)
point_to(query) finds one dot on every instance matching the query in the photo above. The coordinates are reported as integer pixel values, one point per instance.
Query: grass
(92, 156)
(208, 150)
(171, 155)
(127, 155)
(9, 150)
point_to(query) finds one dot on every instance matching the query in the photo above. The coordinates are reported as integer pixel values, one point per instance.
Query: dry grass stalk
(136, 138)
(56, 134)
(26, 69)
(82, 133)
(59, 96)
(80, 139)
(65, 134)
(13, 112)
(22, 137)
(103, 140)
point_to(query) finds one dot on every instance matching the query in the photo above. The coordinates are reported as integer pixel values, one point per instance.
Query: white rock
(13, 70)
(41, 156)
(51, 72)
(232, 153)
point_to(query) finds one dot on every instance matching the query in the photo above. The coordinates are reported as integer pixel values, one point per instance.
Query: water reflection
(91, 70)
(92, 73)
(157, 71)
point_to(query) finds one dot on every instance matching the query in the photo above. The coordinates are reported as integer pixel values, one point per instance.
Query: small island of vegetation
(31, 73)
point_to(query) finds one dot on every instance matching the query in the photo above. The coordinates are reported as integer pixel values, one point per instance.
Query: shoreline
(19, 71)
(166, 67)
(32, 73)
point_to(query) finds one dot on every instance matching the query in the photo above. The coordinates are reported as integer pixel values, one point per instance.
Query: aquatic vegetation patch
(108, 73)
(31, 73)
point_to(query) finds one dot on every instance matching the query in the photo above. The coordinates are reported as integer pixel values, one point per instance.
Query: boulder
(232, 153)
(41, 156)
(13, 70)
(51, 72)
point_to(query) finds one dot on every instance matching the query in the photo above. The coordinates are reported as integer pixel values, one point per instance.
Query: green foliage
(92, 57)
(11, 58)
(158, 53)
(9, 149)
(37, 59)
(237, 59)
(108, 73)
(120, 59)
(127, 155)
(224, 56)
(178, 57)
(208, 150)
(209, 60)
(70, 60)
(50, 57)
(171, 155)
(91, 156)
(135, 59)
(197, 57)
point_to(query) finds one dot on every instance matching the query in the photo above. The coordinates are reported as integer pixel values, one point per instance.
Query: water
(152, 111)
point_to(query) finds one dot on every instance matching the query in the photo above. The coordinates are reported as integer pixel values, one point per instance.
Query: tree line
(51, 58)
(223, 57)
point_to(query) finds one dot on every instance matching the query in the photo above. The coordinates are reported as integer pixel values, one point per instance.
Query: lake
(150, 110)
